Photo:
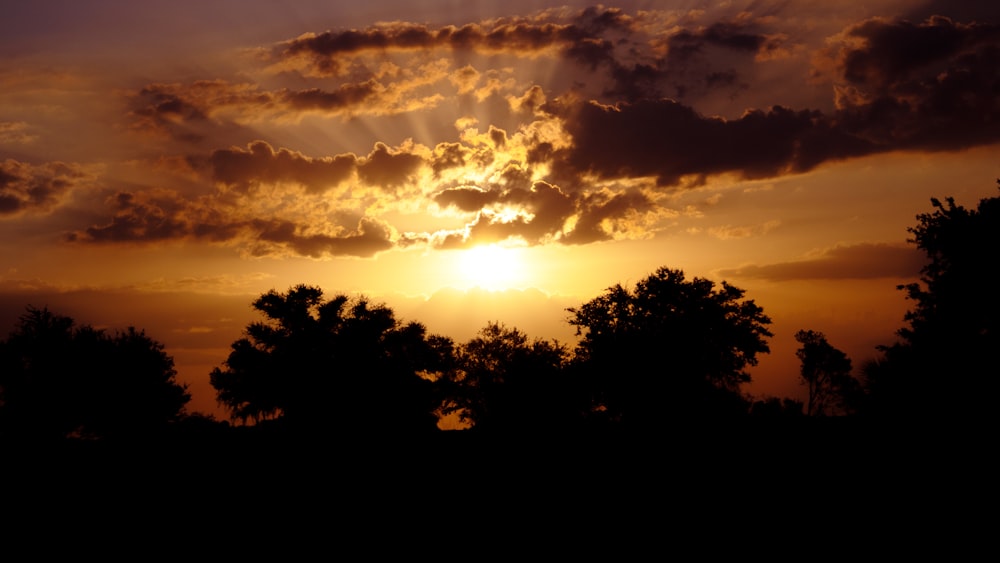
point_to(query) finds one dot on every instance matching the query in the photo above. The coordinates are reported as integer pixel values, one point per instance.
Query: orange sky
(162, 164)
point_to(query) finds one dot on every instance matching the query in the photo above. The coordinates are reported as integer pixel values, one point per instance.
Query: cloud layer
(559, 127)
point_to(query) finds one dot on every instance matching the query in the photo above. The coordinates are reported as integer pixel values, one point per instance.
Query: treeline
(668, 352)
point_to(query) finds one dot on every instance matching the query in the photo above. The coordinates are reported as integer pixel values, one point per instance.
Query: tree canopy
(338, 364)
(826, 372)
(503, 381)
(946, 360)
(669, 347)
(58, 379)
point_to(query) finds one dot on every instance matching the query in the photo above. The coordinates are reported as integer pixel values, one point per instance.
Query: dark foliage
(670, 348)
(341, 365)
(826, 372)
(776, 408)
(504, 382)
(946, 362)
(59, 380)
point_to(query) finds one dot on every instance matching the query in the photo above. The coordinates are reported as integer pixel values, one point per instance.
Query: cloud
(900, 86)
(467, 198)
(156, 216)
(729, 232)
(926, 86)
(544, 214)
(384, 167)
(388, 167)
(858, 261)
(602, 216)
(16, 132)
(325, 53)
(369, 238)
(620, 111)
(533, 215)
(29, 188)
(668, 140)
(241, 168)
(189, 112)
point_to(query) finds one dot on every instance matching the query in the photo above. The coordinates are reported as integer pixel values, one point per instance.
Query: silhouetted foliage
(669, 348)
(505, 382)
(776, 407)
(59, 380)
(826, 372)
(343, 364)
(946, 361)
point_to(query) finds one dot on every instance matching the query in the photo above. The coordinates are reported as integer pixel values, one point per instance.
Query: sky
(163, 163)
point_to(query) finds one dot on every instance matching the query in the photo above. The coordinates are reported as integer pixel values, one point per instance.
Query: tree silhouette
(946, 360)
(504, 382)
(342, 364)
(826, 372)
(669, 348)
(59, 380)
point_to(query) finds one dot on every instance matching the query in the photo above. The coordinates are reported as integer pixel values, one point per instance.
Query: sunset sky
(162, 163)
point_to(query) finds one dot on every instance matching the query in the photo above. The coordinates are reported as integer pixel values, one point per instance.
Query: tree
(946, 360)
(340, 364)
(826, 372)
(505, 382)
(59, 380)
(669, 348)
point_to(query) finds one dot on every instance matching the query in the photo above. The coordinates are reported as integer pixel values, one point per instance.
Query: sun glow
(491, 267)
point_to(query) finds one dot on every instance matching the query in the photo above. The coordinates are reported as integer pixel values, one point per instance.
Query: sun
(491, 267)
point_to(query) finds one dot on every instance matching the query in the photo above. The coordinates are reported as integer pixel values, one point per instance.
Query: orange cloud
(858, 261)
(242, 169)
(28, 188)
(156, 216)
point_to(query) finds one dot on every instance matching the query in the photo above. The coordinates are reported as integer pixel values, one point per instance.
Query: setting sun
(491, 267)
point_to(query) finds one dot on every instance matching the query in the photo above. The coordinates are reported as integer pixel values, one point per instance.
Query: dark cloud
(619, 101)
(345, 96)
(859, 261)
(530, 102)
(521, 35)
(539, 214)
(668, 140)
(966, 10)
(448, 156)
(368, 239)
(158, 215)
(929, 86)
(161, 216)
(467, 198)
(691, 65)
(259, 163)
(189, 112)
(892, 53)
(28, 188)
(734, 35)
(599, 211)
(387, 167)
(241, 168)
(587, 37)
(933, 85)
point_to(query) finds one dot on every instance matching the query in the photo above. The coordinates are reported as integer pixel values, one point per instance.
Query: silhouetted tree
(505, 382)
(342, 364)
(59, 380)
(669, 348)
(826, 372)
(776, 407)
(946, 361)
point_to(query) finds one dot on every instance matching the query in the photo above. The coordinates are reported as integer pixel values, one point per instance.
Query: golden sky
(163, 163)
